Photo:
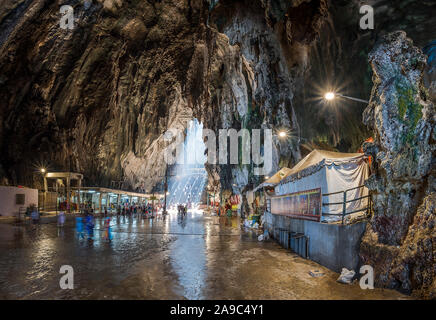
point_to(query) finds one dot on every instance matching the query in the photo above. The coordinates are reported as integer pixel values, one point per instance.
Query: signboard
(20, 199)
(304, 205)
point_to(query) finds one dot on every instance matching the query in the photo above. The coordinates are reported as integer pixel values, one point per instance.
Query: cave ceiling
(97, 99)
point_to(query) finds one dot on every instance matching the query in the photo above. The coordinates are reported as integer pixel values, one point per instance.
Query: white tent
(332, 172)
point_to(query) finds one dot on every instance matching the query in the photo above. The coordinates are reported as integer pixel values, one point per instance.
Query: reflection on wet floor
(189, 260)
(199, 257)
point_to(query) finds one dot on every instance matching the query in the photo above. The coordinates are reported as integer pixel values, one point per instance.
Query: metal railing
(21, 214)
(344, 203)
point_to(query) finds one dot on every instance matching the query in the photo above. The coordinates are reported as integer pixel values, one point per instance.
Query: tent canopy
(328, 157)
(275, 179)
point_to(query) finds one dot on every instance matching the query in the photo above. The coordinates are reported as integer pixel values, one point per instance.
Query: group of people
(182, 210)
(87, 224)
(145, 210)
(225, 210)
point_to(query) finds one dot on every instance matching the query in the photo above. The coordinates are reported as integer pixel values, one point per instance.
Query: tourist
(35, 215)
(90, 226)
(228, 211)
(107, 233)
(61, 219)
(150, 210)
(79, 227)
(228, 208)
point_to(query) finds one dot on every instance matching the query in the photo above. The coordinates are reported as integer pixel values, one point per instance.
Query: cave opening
(188, 176)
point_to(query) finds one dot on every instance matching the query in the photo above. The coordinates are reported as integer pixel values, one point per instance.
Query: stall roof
(121, 192)
(72, 175)
(275, 179)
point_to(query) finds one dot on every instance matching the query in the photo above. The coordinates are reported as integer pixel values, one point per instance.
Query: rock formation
(97, 99)
(400, 242)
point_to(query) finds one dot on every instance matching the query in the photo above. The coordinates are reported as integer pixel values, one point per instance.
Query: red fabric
(370, 139)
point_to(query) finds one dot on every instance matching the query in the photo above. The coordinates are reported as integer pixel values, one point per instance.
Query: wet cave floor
(199, 257)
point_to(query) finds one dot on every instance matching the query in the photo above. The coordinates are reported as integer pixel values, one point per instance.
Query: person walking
(35, 215)
(79, 227)
(107, 230)
(90, 226)
(61, 219)
(228, 208)
(150, 210)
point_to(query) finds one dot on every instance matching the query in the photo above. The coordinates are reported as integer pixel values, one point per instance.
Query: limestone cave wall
(400, 241)
(97, 99)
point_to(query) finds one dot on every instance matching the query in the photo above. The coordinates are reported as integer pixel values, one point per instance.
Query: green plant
(409, 111)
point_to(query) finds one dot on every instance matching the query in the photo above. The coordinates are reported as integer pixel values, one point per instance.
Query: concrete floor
(200, 257)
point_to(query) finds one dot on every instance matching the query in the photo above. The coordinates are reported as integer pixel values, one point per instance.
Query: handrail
(332, 193)
(337, 203)
(346, 201)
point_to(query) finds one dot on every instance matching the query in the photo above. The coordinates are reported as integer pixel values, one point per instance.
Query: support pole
(351, 98)
(99, 201)
(68, 194)
(79, 185)
(44, 199)
(344, 206)
(165, 190)
(108, 198)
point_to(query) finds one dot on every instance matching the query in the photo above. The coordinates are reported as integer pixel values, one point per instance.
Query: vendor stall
(328, 175)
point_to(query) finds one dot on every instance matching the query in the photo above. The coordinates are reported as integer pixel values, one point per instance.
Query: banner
(304, 205)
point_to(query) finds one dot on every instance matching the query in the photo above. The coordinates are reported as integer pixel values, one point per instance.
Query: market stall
(326, 175)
